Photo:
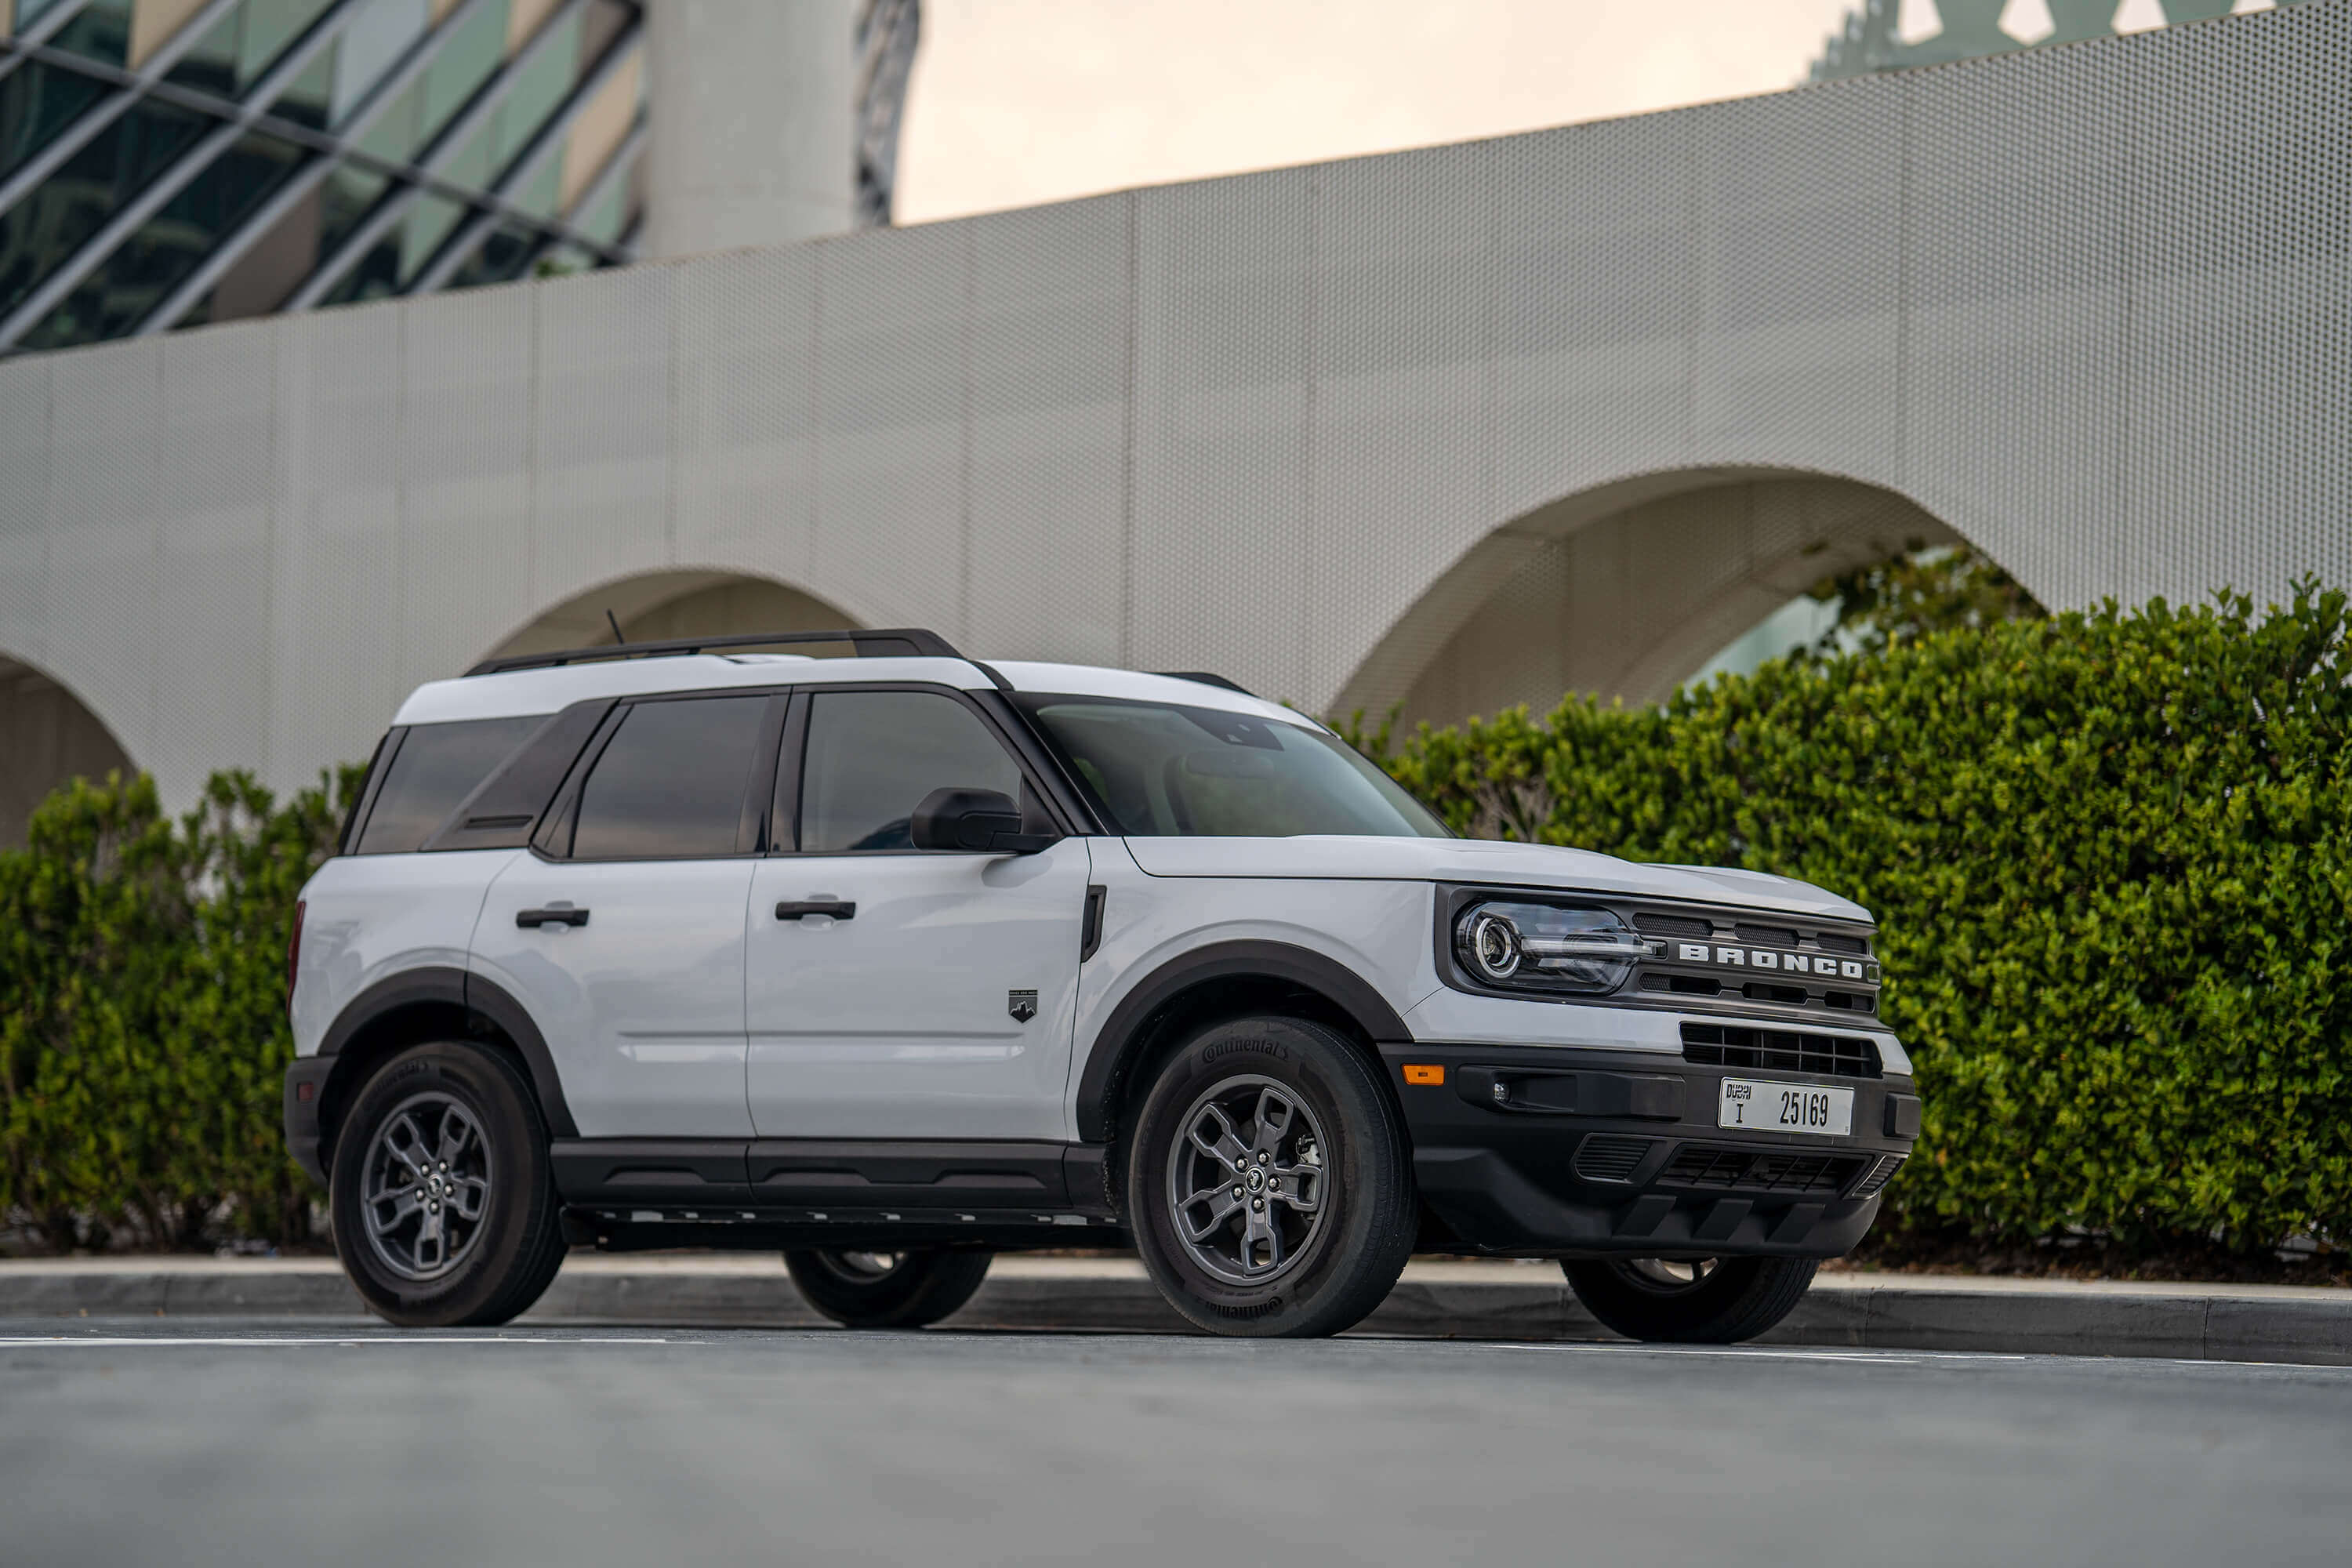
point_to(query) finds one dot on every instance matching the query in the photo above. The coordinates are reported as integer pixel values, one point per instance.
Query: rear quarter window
(436, 766)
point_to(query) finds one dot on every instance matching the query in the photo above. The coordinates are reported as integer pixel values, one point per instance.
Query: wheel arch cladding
(1224, 980)
(436, 1002)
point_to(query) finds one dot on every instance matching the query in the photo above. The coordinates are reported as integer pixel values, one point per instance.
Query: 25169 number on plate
(1785, 1107)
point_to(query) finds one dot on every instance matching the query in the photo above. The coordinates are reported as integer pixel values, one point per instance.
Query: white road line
(344, 1341)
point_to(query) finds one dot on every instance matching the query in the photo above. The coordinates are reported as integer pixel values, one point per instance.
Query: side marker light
(1423, 1072)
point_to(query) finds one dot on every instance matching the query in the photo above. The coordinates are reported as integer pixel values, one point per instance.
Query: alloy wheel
(1247, 1181)
(426, 1194)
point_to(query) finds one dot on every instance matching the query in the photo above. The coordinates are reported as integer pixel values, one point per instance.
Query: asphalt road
(189, 1441)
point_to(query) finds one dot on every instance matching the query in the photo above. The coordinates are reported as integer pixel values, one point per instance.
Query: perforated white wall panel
(1312, 428)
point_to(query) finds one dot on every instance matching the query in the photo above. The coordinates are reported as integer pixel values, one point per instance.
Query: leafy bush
(142, 1020)
(2111, 856)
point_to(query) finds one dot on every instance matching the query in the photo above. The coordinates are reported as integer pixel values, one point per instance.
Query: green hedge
(2111, 856)
(143, 1039)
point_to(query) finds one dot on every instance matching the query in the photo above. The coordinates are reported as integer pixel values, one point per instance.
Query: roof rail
(897, 642)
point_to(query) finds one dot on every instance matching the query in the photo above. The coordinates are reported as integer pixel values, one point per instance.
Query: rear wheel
(1710, 1300)
(443, 1200)
(1269, 1187)
(888, 1290)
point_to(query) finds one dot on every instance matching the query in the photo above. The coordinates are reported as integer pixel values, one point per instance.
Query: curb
(1443, 1302)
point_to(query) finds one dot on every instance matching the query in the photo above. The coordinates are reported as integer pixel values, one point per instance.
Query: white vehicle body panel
(1477, 860)
(897, 1023)
(368, 917)
(1377, 931)
(642, 1008)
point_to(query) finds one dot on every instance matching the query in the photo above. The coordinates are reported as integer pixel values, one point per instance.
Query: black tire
(1737, 1299)
(493, 1266)
(888, 1290)
(1270, 1268)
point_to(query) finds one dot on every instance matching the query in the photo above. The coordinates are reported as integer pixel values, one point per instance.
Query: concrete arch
(48, 736)
(1624, 590)
(679, 603)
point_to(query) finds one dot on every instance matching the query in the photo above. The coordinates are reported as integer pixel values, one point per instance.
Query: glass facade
(1890, 35)
(167, 163)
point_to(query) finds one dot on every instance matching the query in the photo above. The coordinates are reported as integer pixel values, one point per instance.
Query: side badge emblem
(1022, 1005)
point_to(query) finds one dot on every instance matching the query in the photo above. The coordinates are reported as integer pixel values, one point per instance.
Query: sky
(1015, 102)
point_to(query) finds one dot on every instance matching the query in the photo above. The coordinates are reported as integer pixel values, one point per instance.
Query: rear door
(894, 993)
(622, 929)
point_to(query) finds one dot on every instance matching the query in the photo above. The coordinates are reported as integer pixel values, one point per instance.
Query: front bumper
(1600, 1153)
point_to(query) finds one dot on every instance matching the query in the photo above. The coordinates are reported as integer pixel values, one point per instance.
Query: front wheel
(886, 1289)
(1270, 1182)
(1711, 1300)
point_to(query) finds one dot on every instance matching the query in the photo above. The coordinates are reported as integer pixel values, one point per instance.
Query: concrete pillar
(753, 133)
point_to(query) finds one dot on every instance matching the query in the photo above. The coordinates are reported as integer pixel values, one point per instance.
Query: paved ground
(190, 1441)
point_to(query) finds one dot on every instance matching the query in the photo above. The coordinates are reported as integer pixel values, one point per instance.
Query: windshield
(1158, 771)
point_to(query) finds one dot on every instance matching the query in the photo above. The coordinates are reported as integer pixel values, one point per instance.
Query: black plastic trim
(470, 992)
(934, 1174)
(1204, 678)
(1578, 1157)
(658, 1173)
(1124, 1032)
(893, 642)
(355, 819)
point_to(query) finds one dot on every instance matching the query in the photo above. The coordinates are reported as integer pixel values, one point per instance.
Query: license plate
(1749, 1103)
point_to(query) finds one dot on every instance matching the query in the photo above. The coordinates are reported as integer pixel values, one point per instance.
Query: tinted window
(1155, 769)
(874, 755)
(670, 782)
(437, 766)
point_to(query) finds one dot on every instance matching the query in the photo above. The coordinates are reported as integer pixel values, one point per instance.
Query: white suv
(894, 961)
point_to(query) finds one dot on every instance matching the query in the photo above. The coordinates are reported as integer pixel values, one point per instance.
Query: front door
(893, 993)
(626, 943)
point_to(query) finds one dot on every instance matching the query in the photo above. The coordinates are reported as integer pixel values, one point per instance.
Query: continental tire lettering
(1273, 1049)
(1271, 1304)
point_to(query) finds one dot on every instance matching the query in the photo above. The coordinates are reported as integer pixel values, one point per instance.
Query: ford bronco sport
(894, 961)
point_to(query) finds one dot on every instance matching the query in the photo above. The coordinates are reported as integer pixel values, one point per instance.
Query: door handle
(839, 912)
(530, 919)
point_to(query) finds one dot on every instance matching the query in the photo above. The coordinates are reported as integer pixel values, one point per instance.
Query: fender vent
(1605, 1157)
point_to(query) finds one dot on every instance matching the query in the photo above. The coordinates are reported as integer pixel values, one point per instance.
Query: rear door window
(437, 766)
(669, 784)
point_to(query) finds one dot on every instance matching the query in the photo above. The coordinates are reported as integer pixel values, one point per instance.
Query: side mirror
(977, 821)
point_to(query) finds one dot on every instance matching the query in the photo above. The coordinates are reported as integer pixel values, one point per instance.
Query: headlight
(1543, 947)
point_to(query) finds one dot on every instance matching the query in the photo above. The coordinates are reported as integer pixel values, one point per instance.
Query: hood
(1480, 860)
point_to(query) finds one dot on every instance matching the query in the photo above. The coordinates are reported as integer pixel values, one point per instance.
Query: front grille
(1651, 923)
(1778, 1051)
(1605, 1157)
(1766, 936)
(1836, 944)
(1736, 1170)
(1880, 1175)
(1685, 984)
